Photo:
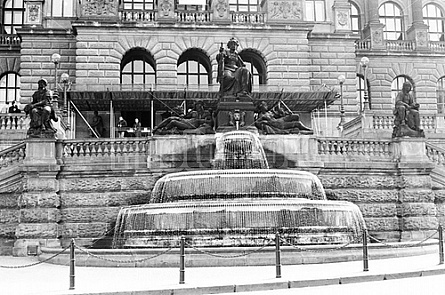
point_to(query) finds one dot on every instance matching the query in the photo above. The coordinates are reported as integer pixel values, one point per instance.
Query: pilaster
(342, 16)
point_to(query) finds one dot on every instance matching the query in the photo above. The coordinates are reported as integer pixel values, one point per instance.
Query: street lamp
(65, 79)
(341, 79)
(364, 63)
(55, 58)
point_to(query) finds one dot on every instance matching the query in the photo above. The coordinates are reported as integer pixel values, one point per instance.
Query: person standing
(121, 124)
(97, 124)
(137, 127)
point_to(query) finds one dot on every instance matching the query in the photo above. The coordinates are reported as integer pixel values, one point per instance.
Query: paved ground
(54, 279)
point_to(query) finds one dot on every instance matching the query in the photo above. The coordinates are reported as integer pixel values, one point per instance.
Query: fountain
(240, 203)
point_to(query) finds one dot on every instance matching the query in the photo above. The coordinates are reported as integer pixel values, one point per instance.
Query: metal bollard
(277, 256)
(440, 244)
(182, 262)
(365, 250)
(72, 262)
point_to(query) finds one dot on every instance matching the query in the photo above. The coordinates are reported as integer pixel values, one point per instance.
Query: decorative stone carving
(421, 38)
(377, 37)
(166, 10)
(285, 10)
(33, 13)
(221, 10)
(99, 8)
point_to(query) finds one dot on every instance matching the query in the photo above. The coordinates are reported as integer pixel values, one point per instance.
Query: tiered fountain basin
(238, 208)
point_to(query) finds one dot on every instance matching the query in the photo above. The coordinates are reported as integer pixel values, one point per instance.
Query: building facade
(364, 50)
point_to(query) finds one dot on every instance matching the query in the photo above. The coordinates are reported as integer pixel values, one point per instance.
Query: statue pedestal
(235, 113)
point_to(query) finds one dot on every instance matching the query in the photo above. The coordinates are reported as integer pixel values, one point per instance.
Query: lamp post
(341, 79)
(364, 63)
(64, 78)
(55, 58)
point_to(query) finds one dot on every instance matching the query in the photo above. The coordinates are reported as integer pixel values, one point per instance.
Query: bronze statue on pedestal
(41, 113)
(406, 114)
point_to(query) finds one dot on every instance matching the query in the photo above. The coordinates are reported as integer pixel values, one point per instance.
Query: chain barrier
(35, 263)
(403, 246)
(230, 256)
(121, 261)
(285, 242)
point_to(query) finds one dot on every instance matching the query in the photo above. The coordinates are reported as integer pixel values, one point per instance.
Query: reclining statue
(279, 122)
(235, 79)
(406, 114)
(196, 121)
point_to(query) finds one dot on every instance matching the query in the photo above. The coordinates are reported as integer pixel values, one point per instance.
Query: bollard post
(72, 262)
(365, 250)
(440, 244)
(277, 256)
(182, 261)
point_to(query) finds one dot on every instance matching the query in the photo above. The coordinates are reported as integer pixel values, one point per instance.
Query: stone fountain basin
(238, 223)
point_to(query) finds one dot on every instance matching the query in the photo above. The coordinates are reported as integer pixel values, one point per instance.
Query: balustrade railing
(355, 147)
(12, 155)
(247, 17)
(193, 16)
(13, 121)
(138, 15)
(103, 147)
(363, 44)
(435, 154)
(7, 40)
(386, 121)
(400, 45)
(437, 46)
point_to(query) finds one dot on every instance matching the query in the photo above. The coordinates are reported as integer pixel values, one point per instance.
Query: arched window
(391, 16)
(138, 68)
(62, 8)
(433, 17)
(355, 18)
(441, 96)
(13, 15)
(361, 93)
(244, 5)
(255, 64)
(9, 87)
(315, 10)
(397, 85)
(194, 68)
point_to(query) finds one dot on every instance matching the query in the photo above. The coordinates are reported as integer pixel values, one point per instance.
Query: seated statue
(233, 76)
(196, 121)
(406, 112)
(279, 122)
(41, 112)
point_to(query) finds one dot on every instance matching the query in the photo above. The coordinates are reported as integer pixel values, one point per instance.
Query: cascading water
(241, 203)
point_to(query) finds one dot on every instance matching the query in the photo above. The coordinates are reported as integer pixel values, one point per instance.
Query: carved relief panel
(99, 8)
(285, 10)
(33, 12)
(166, 9)
(221, 10)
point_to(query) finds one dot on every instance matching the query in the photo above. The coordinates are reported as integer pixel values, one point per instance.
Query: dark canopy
(298, 102)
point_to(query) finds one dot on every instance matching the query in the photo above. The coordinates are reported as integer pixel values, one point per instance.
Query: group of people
(11, 109)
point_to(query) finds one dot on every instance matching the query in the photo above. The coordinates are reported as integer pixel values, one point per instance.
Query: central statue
(233, 76)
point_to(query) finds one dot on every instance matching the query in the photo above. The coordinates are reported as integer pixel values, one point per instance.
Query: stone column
(33, 12)
(39, 204)
(342, 15)
(416, 209)
(418, 30)
(374, 29)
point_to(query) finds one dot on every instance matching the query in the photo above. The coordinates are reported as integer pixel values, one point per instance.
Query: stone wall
(76, 193)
